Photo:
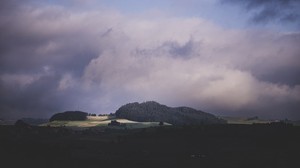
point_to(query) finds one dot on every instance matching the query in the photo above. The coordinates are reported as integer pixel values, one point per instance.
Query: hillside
(154, 112)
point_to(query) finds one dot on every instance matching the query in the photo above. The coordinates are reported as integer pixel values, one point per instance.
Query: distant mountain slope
(69, 116)
(154, 112)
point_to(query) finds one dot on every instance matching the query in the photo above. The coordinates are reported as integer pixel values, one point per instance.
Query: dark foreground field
(231, 146)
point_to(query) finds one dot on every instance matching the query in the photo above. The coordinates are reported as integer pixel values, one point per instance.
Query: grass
(90, 122)
(102, 121)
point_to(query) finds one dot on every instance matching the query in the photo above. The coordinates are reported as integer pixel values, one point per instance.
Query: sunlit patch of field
(99, 118)
(91, 121)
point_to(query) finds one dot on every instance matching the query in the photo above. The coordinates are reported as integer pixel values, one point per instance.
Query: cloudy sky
(226, 57)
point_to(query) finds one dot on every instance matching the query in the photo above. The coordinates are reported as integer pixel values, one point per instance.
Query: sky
(225, 57)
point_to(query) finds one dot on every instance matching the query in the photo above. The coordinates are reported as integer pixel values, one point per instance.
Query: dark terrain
(152, 111)
(253, 146)
(69, 116)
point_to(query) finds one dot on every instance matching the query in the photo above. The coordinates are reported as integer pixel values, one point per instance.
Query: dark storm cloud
(32, 100)
(36, 50)
(271, 10)
(277, 61)
(32, 38)
(31, 49)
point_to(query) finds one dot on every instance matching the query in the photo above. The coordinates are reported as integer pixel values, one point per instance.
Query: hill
(69, 116)
(154, 112)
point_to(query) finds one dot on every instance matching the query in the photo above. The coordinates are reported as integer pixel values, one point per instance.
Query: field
(256, 120)
(210, 146)
(101, 122)
(239, 120)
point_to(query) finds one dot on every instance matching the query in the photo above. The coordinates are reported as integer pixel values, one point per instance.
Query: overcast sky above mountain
(226, 57)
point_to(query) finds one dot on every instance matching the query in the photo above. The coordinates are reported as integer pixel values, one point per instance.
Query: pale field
(99, 118)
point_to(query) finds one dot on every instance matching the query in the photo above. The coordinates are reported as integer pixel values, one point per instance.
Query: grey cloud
(35, 40)
(31, 100)
(270, 57)
(173, 49)
(271, 10)
(184, 50)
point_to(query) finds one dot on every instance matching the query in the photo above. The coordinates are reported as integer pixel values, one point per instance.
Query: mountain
(70, 116)
(154, 112)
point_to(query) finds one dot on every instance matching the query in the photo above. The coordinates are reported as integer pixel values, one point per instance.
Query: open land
(228, 145)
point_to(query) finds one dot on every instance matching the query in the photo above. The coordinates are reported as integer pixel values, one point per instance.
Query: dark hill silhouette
(154, 112)
(70, 116)
(22, 124)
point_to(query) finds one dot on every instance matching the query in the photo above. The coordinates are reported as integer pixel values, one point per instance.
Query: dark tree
(70, 116)
(154, 112)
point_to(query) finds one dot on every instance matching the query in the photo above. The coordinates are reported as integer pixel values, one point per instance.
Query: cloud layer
(54, 58)
(284, 11)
